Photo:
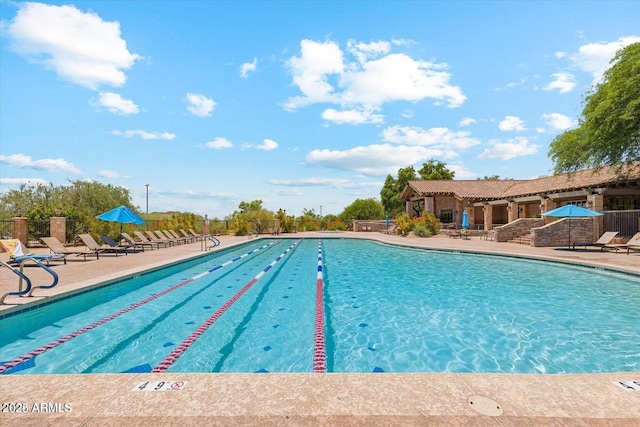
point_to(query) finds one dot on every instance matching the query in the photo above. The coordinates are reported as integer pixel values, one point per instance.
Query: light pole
(147, 185)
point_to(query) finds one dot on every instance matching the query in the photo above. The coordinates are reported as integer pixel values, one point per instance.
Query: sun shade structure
(572, 211)
(121, 214)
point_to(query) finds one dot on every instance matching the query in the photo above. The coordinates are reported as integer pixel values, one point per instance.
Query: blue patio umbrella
(572, 211)
(465, 219)
(121, 214)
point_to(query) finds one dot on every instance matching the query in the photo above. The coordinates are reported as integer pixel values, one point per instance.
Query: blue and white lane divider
(8, 365)
(184, 345)
(319, 350)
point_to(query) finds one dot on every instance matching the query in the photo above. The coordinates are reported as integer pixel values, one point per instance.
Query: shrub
(337, 225)
(404, 223)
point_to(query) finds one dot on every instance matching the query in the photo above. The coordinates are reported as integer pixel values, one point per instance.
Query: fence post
(20, 230)
(58, 228)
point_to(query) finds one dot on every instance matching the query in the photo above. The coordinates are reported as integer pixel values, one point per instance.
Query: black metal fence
(626, 223)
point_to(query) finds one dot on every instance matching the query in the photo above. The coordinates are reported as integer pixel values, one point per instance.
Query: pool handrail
(22, 276)
(48, 270)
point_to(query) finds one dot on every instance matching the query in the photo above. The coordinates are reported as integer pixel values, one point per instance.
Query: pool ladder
(212, 242)
(28, 291)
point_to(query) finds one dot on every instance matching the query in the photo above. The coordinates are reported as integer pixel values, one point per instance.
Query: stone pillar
(458, 210)
(429, 205)
(596, 202)
(58, 228)
(513, 211)
(21, 230)
(206, 226)
(408, 208)
(488, 217)
(548, 205)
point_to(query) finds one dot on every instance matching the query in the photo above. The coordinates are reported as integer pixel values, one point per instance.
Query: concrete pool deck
(313, 399)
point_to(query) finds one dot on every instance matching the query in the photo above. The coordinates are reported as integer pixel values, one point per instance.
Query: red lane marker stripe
(8, 365)
(184, 345)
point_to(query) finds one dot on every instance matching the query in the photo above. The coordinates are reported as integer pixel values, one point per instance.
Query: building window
(446, 215)
(624, 204)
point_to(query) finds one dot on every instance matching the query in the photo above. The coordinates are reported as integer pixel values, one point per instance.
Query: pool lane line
(319, 351)
(184, 345)
(8, 365)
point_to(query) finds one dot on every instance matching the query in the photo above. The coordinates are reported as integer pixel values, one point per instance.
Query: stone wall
(557, 232)
(517, 228)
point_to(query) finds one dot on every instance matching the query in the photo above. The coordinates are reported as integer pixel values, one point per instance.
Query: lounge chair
(634, 248)
(130, 240)
(126, 246)
(167, 236)
(196, 235)
(93, 245)
(144, 239)
(605, 239)
(17, 255)
(156, 238)
(188, 236)
(633, 242)
(56, 247)
(180, 238)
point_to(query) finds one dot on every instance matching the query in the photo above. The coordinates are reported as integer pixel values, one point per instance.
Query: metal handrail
(22, 276)
(30, 288)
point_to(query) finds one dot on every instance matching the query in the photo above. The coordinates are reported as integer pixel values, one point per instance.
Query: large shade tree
(390, 193)
(608, 131)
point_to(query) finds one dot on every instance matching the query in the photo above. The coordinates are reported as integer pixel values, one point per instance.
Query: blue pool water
(387, 309)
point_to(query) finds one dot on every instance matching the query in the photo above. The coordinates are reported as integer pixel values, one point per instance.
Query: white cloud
(190, 194)
(311, 71)
(105, 173)
(562, 82)
(351, 116)
(267, 145)
(79, 47)
(51, 165)
(516, 147)
(512, 123)
(200, 105)
(289, 192)
(117, 104)
(594, 58)
(438, 137)
(248, 67)
(311, 182)
(558, 121)
(219, 143)
(467, 121)
(32, 182)
(373, 160)
(144, 134)
(374, 77)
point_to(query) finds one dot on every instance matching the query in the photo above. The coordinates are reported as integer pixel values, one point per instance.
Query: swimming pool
(255, 308)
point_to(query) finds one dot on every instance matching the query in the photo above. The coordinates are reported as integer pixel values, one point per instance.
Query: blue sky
(302, 104)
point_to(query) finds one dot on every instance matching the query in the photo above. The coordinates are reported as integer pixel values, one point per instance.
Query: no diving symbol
(177, 385)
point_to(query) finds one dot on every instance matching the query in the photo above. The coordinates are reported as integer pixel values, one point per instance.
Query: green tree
(393, 188)
(608, 131)
(362, 209)
(435, 170)
(252, 216)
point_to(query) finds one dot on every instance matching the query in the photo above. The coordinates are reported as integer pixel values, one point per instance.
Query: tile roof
(501, 189)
